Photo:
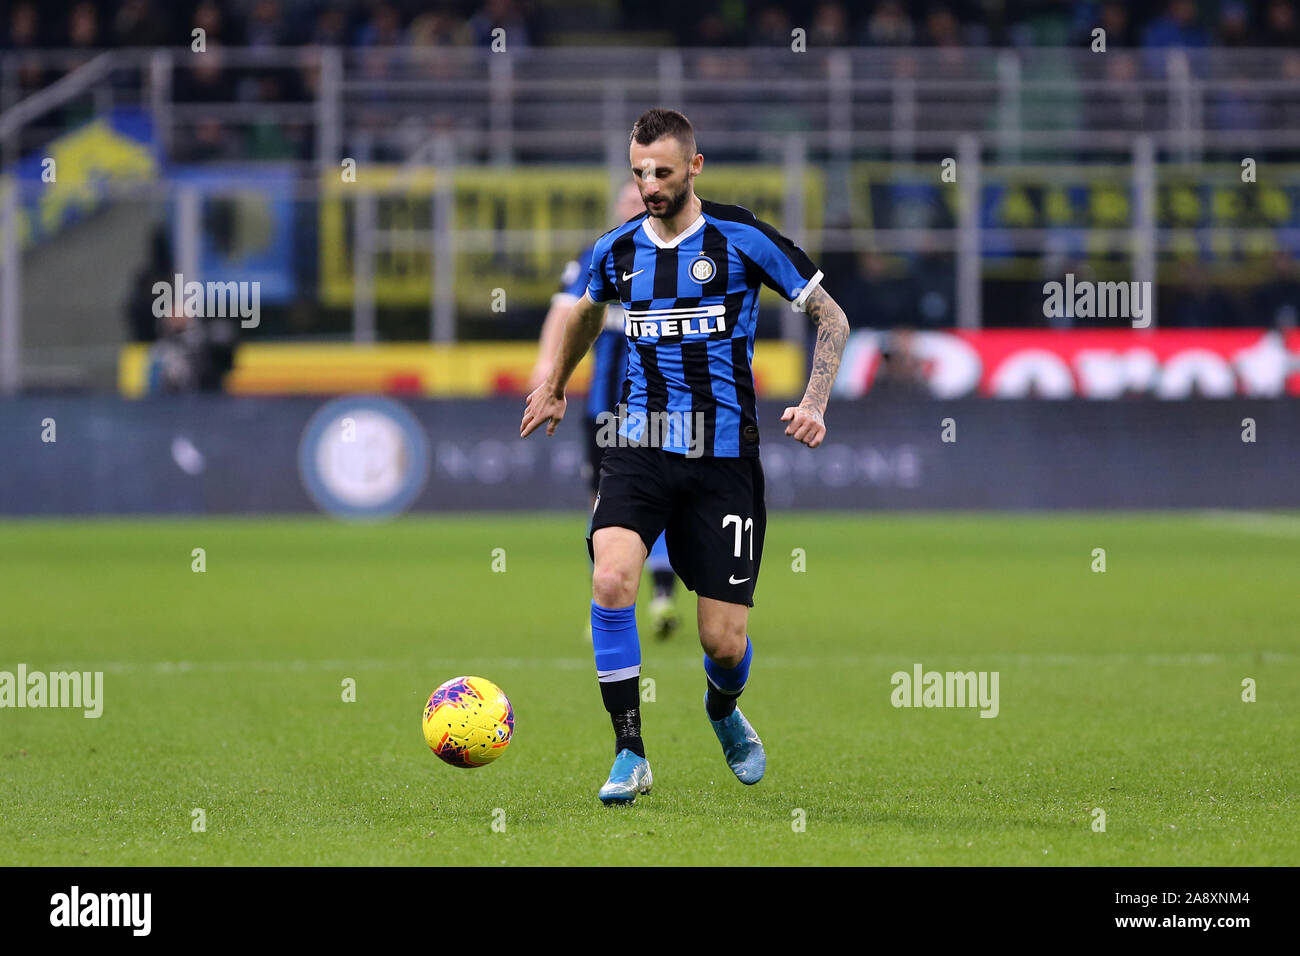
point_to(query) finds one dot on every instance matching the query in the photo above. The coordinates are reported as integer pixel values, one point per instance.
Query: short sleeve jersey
(690, 310)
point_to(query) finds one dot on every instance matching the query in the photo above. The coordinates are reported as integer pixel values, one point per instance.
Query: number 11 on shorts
(748, 526)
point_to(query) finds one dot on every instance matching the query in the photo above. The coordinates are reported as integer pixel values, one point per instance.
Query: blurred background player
(609, 368)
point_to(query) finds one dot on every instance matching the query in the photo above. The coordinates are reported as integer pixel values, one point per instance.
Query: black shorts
(711, 508)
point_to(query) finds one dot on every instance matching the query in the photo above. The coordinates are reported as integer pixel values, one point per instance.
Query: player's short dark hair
(657, 123)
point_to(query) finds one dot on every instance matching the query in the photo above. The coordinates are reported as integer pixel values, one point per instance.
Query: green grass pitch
(1119, 690)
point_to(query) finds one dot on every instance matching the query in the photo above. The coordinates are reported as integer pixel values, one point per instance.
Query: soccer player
(609, 368)
(688, 273)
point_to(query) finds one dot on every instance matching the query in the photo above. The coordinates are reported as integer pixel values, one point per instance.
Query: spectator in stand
(210, 142)
(384, 28)
(1178, 27)
(23, 31)
(139, 24)
(83, 37)
(713, 30)
(267, 25)
(208, 18)
(83, 26)
(830, 27)
(1109, 16)
(941, 28)
(1234, 26)
(1121, 103)
(25, 35)
(206, 80)
(1115, 21)
(437, 28)
(943, 32)
(429, 32)
(191, 354)
(888, 25)
(330, 29)
(504, 14)
(1281, 25)
(186, 354)
(772, 27)
(83, 33)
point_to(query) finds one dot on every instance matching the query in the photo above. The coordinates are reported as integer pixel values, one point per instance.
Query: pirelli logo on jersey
(685, 321)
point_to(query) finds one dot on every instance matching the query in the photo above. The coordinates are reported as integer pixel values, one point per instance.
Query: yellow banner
(537, 202)
(446, 371)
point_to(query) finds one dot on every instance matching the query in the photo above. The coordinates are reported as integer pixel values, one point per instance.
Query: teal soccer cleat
(629, 776)
(741, 746)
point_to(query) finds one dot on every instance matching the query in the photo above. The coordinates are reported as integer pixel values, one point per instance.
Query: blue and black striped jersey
(609, 354)
(690, 311)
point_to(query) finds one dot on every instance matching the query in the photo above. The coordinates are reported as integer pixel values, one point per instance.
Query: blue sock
(615, 641)
(618, 668)
(726, 683)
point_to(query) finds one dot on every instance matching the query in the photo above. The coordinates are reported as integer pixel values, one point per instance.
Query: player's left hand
(806, 424)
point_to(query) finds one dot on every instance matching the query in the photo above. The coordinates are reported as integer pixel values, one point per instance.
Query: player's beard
(672, 206)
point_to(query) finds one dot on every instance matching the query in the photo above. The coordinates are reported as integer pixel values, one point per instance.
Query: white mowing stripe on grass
(1253, 522)
(480, 665)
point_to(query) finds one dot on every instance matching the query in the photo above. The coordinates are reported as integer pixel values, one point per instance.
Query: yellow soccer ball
(468, 722)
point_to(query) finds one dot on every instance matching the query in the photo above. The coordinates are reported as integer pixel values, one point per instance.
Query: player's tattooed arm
(546, 403)
(832, 333)
(806, 420)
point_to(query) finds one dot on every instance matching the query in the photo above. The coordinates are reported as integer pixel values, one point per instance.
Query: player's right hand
(543, 406)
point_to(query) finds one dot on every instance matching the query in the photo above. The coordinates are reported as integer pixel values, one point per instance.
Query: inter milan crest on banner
(363, 458)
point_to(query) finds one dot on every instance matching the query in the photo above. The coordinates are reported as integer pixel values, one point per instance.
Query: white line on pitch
(1254, 522)
(776, 662)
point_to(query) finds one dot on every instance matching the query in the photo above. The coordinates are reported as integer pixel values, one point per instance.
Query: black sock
(627, 732)
(623, 702)
(664, 581)
(718, 704)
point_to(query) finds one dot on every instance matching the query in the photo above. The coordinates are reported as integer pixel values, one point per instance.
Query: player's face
(663, 172)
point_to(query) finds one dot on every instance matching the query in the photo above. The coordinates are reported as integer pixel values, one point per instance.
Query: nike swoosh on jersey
(628, 275)
(731, 579)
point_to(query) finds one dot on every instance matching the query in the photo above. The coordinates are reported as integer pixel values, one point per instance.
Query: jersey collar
(677, 239)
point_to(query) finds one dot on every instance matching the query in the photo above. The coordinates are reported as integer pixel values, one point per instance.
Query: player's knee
(613, 586)
(724, 642)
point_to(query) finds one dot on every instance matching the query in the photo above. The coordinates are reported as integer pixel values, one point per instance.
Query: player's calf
(722, 631)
